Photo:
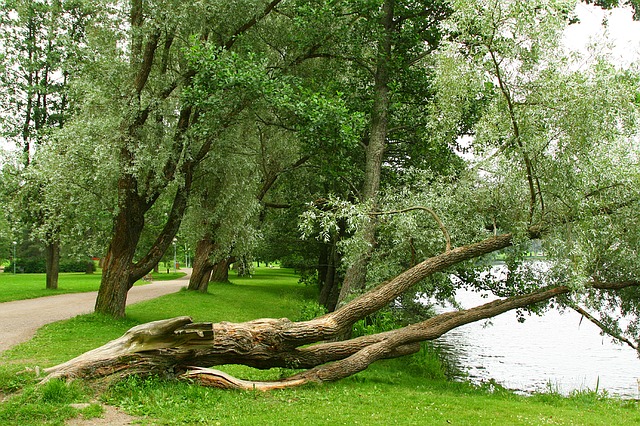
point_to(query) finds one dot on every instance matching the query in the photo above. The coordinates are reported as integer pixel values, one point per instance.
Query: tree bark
(185, 348)
(202, 265)
(117, 276)
(174, 345)
(356, 274)
(330, 282)
(220, 272)
(52, 264)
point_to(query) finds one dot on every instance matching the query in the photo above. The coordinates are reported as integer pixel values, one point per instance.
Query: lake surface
(557, 350)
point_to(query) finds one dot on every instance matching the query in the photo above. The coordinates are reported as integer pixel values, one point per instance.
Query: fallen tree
(180, 348)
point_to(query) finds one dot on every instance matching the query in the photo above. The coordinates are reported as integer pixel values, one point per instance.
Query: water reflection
(556, 349)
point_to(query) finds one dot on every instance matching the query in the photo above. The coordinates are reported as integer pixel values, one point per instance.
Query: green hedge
(37, 266)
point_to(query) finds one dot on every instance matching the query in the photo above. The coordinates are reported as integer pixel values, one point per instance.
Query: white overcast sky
(620, 31)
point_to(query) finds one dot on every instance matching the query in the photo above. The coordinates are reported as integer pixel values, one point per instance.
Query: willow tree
(142, 131)
(231, 203)
(540, 143)
(303, 117)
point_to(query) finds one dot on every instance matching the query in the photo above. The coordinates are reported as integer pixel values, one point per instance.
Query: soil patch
(112, 416)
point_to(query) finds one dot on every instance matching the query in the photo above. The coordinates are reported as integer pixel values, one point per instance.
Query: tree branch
(250, 23)
(387, 342)
(603, 327)
(447, 237)
(147, 61)
(531, 178)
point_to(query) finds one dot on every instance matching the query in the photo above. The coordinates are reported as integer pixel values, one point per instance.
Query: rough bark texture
(181, 347)
(202, 266)
(117, 265)
(220, 271)
(52, 259)
(356, 274)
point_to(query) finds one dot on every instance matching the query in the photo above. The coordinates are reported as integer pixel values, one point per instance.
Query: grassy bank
(30, 286)
(408, 391)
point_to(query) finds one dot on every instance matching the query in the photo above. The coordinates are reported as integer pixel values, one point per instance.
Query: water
(557, 350)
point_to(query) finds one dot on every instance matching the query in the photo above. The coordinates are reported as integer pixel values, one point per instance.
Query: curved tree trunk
(185, 348)
(202, 265)
(220, 272)
(180, 348)
(117, 264)
(177, 345)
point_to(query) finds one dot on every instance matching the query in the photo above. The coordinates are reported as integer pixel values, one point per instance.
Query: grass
(30, 286)
(408, 391)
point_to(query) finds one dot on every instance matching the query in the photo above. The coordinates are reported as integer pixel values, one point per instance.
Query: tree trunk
(323, 265)
(179, 346)
(263, 343)
(52, 259)
(220, 272)
(202, 265)
(117, 277)
(330, 286)
(356, 275)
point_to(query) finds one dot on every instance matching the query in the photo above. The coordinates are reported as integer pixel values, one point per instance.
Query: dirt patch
(111, 417)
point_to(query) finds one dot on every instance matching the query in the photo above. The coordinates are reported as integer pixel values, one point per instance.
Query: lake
(556, 350)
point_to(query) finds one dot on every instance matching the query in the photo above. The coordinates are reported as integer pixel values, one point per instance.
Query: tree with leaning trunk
(185, 348)
(140, 116)
(541, 141)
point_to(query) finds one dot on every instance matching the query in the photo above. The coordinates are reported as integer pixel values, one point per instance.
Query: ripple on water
(557, 351)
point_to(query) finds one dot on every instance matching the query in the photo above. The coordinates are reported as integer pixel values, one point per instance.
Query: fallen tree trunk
(181, 348)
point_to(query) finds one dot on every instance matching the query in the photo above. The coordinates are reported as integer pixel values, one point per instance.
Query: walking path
(19, 320)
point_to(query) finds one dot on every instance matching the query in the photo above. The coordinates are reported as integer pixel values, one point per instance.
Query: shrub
(37, 266)
(27, 266)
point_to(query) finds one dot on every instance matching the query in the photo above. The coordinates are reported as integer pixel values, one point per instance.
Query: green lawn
(408, 391)
(29, 286)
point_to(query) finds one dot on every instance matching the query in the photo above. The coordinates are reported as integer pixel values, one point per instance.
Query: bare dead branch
(603, 327)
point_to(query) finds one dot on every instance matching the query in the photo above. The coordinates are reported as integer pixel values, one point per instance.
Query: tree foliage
(42, 45)
(424, 139)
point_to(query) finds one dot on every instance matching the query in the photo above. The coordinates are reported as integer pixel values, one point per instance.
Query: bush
(37, 266)
(27, 266)
(309, 310)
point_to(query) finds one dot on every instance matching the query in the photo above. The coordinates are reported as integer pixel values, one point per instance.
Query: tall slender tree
(40, 43)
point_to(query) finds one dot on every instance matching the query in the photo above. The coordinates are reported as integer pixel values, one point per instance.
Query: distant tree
(41, 46)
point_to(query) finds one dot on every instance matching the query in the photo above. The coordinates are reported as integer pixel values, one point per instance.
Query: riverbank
(407, 391)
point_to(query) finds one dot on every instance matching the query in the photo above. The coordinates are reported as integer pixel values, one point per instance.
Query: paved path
(19, 320)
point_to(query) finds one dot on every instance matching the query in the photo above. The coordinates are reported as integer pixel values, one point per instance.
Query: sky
(621, 31)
